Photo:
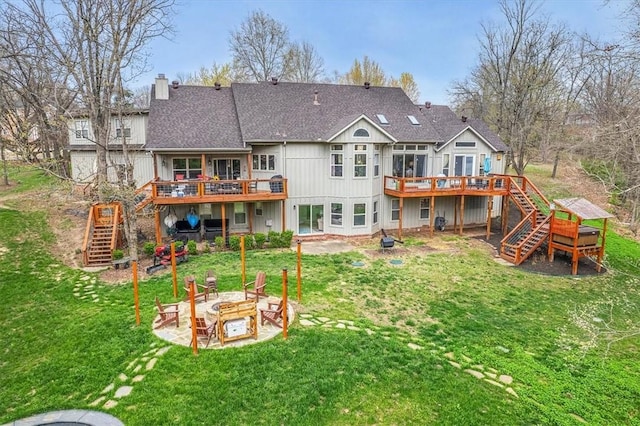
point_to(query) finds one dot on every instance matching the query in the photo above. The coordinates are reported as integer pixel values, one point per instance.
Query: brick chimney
(162, 87)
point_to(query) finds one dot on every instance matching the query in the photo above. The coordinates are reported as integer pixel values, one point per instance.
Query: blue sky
(434, 40)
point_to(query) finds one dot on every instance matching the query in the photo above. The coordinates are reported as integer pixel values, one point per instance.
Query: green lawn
(567, 343)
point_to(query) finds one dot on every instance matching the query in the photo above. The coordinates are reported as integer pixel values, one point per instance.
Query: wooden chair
(168, 313)
(202, 291)
(205, 331)
(258, 287)
(274, 316)
(211, 282)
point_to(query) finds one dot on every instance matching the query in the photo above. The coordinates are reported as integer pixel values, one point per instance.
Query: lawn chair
(211, 282)
(204, 290)
(168, 314)
(274, 316)
(258, 287)
(205, 331)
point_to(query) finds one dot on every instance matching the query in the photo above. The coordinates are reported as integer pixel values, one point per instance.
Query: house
(131, 128)
(318, 159)
(340, 150)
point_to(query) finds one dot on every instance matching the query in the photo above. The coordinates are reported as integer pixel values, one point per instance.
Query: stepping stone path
(87, 289)
(122, 386)
(462, 362)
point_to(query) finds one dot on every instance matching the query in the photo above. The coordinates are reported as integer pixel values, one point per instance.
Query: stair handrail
(517, 248)
(517, 230)
(115, 221)
(146, 188)
(88, 231)
(513, 183)
(529, 186)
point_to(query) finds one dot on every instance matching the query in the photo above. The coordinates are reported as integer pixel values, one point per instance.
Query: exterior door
(463, 165)
(310, 218)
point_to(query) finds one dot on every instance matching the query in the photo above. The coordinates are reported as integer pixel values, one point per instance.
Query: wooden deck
(443, 186)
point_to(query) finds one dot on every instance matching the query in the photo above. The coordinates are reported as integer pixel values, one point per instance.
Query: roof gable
(360, 119)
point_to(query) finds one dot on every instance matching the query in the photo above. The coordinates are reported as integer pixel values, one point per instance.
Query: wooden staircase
(533, 229)
(102, 234)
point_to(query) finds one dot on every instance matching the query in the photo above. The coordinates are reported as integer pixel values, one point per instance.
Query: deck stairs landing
(102, 234)
(533, 229)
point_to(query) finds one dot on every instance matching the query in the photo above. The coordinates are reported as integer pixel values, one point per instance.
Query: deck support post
(432, 207)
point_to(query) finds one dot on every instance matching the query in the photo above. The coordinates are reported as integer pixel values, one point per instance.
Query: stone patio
(182, 335)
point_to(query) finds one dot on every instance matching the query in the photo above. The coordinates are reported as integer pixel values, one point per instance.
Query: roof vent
(464, 118)
(427, 105)
(274, 80)
(175, 84)
(315, 98)
(367, 84)
(216, 85)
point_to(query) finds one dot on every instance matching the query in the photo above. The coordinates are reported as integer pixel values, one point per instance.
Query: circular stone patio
(182, 335)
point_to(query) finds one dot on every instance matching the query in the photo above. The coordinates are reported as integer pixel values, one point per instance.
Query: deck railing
(446, 184)
(202, 188)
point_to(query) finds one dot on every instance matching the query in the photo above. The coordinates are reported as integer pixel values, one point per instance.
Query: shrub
(192, 247)
(259, 238)
(286, 238)
(234, 242)
(249, 242)
(117, 254)
(206, 248)
(149, 248)
(220, 245)
(274, 239)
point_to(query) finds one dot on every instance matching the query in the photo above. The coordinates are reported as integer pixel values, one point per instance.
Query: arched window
(361, 133)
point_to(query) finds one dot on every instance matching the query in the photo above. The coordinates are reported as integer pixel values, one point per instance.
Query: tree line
(550, 93)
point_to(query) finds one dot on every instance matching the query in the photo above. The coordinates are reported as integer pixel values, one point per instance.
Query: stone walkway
(182, 335)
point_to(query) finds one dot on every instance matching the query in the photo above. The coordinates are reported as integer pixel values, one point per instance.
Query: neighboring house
(314, 158)
(132, 129)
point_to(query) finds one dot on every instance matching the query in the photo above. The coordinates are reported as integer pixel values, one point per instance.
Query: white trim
(367, 119)
(486, 142)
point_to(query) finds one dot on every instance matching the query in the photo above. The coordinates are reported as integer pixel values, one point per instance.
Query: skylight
(413, 120)
(382, 119)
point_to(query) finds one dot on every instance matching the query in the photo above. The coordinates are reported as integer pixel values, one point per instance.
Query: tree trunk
(556, 160)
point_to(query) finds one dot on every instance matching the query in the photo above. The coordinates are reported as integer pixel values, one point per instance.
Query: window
(395, 209)
(239, 215)
(258, 209)
(360, 161)
(376, 164)
(336, 214)
(266, 162)
(82, 129)
(445, 164)
(375, 212)
(187, 168)
(359, 214)
(409, 165)
(361, 133)
(382, 119)
(463, 144)
(337, 158)
(413, 120)
(424, 208)
(124, 125)
(482, 158)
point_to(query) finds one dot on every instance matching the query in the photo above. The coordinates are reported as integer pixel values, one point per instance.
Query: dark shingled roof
(286, 111)
(194, 118)
(449, 125)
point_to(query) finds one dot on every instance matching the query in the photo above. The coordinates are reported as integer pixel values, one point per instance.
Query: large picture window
(337, 160)
(411, 163)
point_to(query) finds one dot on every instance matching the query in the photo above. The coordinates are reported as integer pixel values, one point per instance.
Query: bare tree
(519, 63)
(101, 45)
(260, 47)
(305, 64)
